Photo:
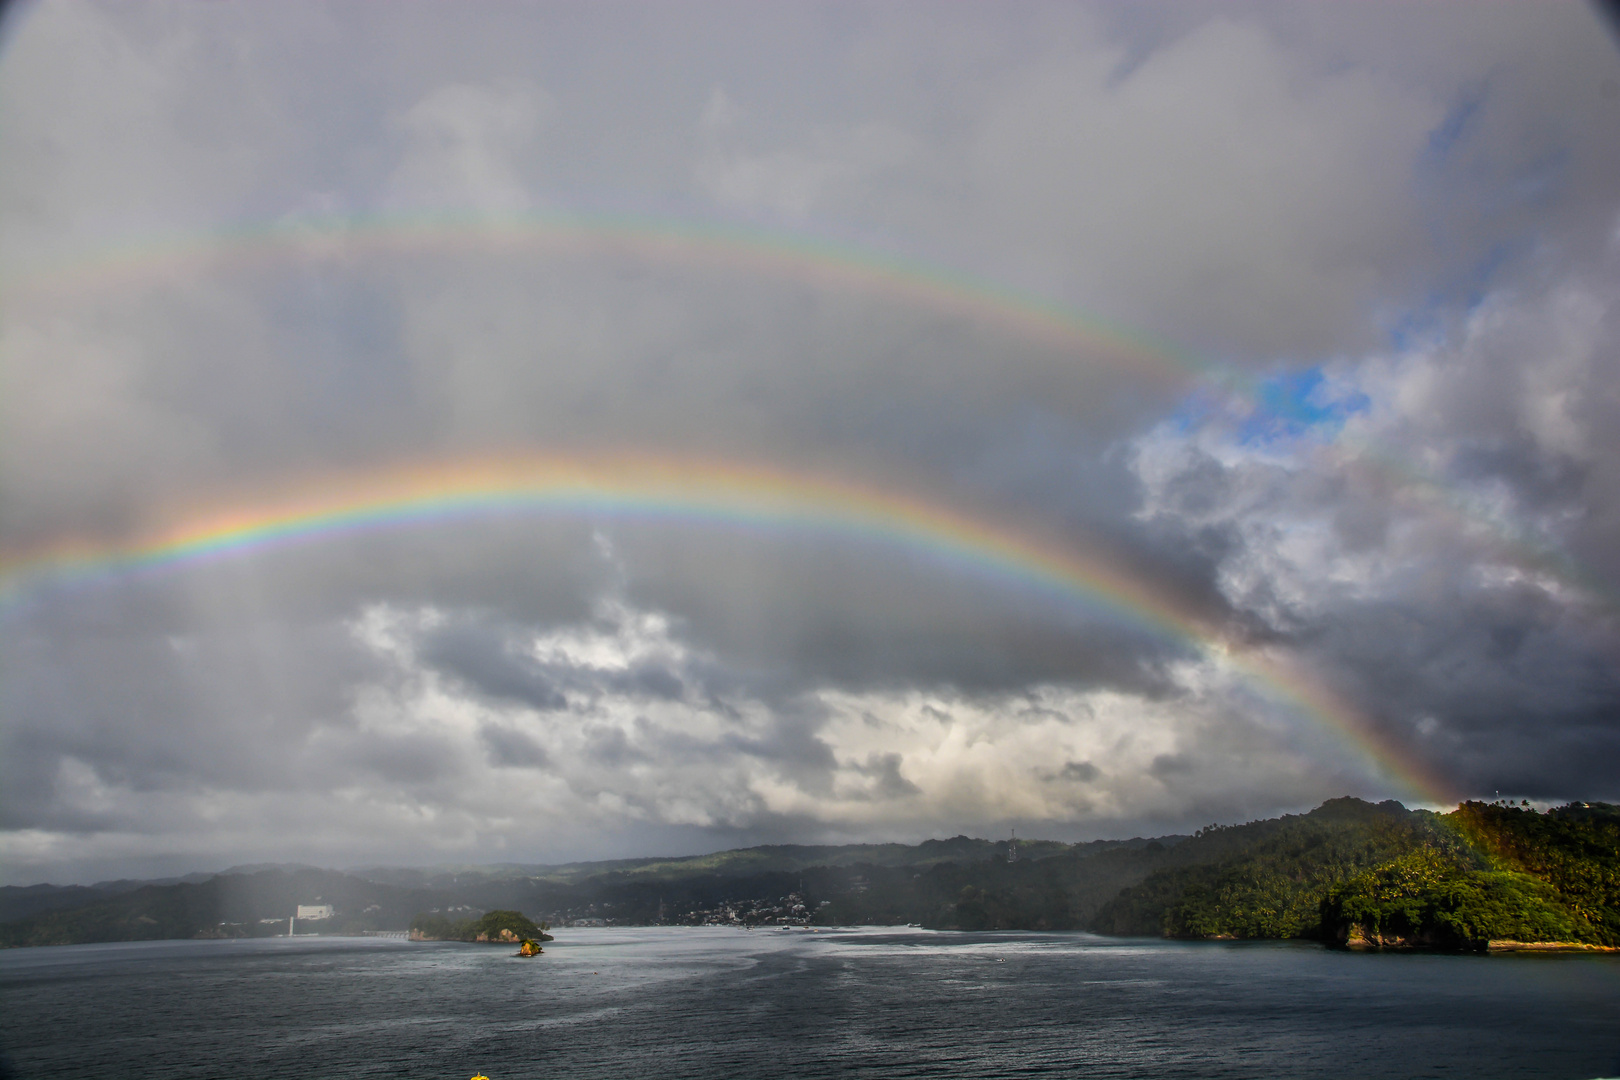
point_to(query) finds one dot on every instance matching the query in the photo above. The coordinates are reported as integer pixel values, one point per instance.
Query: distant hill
(224, 905)
(738, 863)
(20, 901)
(256, 900)
(17, 901)
(1348, 872)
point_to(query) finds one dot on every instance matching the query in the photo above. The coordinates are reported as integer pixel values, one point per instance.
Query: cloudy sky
(1295, 324)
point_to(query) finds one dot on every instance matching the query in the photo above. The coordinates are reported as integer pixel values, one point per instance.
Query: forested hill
(1354, 874)
(256, 901)
(736, 863)
(1348, 872)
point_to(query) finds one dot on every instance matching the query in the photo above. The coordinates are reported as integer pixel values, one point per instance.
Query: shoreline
(1493, 945)
(1507, 945)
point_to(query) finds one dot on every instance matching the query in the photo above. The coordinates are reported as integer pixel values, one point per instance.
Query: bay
(704, 1003)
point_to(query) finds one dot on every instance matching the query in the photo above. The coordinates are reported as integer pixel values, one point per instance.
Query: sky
(503, 432)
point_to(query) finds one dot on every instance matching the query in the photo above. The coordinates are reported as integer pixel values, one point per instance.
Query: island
(494, 927)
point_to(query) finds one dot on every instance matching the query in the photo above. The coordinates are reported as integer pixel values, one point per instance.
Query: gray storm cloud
(1395, 230)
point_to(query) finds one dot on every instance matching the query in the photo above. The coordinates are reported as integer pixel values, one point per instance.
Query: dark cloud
(409, 760)
(1349, 395)
(488, 661)
(1083, 771)
(512, 749)
(887, 782)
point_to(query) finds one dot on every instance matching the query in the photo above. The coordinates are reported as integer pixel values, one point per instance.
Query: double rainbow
(709, 494)
(1093, 342)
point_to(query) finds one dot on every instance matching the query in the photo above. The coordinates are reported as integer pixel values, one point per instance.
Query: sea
(710, 1002)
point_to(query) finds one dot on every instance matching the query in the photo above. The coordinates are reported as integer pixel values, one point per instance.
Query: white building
(315, 911)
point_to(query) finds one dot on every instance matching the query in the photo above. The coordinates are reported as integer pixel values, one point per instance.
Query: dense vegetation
(491, 926)
(1271, 881)
(1354, 874)
(1507, 873)
(1348, 872)
(1061, 892)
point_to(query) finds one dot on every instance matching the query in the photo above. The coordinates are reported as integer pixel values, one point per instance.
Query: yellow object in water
(480, 1076)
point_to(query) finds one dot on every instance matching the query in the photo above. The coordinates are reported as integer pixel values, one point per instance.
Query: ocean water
(714, 1002)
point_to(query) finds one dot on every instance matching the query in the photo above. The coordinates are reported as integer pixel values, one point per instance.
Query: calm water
(672, 1003)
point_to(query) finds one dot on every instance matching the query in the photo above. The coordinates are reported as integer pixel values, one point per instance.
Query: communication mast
(1012, 847)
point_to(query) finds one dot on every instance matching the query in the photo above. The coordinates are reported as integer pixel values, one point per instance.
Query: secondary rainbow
(659, 241)
(790, 256)
(687, 244)
(704, 493)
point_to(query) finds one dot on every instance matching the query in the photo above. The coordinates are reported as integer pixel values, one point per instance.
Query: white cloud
(1273, 186)
(421, 760)
(791, 182)
(464, 148)
(1443, 542)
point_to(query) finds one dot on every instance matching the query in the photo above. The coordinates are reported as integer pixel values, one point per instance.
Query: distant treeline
(1348, 873)
(256, 901)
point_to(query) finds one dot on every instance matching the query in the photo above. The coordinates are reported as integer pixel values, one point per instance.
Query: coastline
(1506, 945)
(1362, 943)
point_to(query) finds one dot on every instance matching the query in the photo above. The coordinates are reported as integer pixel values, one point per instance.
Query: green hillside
(1502, 873)
(1348, 872)
(737, 863)
(1267, 879)
(1356, 874)
(494, 926)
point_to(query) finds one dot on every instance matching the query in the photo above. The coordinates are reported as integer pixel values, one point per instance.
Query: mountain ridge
(1348, 872)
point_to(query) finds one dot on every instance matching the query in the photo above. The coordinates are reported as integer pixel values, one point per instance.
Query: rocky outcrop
(1365, 937)
(1508, 945)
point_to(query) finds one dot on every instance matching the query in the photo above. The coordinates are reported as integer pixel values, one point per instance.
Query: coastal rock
(1507, 945)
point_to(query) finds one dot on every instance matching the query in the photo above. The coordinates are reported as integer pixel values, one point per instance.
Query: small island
(494, 928)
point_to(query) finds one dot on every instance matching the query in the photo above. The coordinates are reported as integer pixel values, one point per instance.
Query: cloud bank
(1362, 262)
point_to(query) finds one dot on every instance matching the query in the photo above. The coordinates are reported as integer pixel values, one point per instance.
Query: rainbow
(683, 244)
(712, 494)
(787, 256)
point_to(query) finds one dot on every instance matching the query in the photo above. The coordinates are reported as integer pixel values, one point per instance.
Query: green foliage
(1056, 893)
(1348, 870)
(1353, 873)
(1574, 848)
(495, 924)
(1426, 900)
(796, 858)
(1532, 877)
(511, 926)
(1266, 881)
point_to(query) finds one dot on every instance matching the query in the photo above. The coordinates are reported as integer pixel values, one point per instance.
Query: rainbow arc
(708, 494)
